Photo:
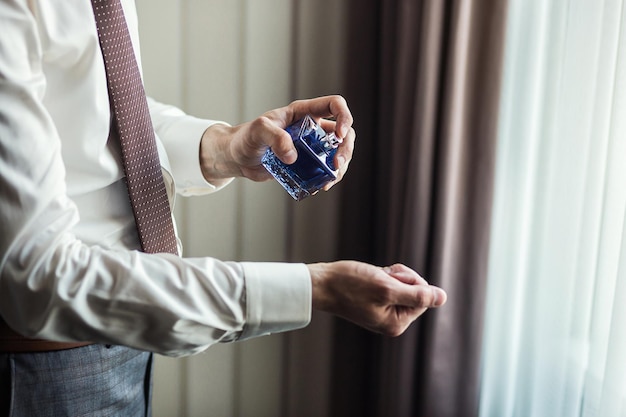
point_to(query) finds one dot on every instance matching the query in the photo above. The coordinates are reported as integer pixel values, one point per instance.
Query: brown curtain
(423, 83)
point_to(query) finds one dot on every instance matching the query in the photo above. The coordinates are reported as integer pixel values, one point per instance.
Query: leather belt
(13, 342)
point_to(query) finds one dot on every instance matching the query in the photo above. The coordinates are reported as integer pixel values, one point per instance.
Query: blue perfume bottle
(314, 167)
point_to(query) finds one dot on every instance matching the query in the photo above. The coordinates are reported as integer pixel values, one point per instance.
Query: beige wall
(232, 60)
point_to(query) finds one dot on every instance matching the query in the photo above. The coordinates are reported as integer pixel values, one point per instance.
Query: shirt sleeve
(54, 286)
(180, 134)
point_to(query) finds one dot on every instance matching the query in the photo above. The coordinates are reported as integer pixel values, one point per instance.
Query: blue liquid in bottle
(314, 167)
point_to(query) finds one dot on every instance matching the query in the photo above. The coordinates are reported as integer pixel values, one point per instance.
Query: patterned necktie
(131, 122)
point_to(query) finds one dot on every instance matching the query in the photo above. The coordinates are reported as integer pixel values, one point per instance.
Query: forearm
(55, 287)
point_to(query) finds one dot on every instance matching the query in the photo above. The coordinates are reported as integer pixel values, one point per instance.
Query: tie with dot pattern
(133, 126)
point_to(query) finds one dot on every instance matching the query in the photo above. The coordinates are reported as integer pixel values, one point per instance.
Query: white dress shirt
(69, 268)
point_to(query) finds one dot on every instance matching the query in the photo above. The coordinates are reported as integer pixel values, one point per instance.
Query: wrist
(319, 275)
(216, 161)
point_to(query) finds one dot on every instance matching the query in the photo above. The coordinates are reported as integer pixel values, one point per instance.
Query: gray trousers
(93, 380)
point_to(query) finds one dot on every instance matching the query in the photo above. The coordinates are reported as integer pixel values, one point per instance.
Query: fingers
(417, 293)
(397, 316)
(407, 302)
(336, 108)
(344, 151)
(328, 106)
(268, 133)
(269, 129)
(405, 274)
(423, 296)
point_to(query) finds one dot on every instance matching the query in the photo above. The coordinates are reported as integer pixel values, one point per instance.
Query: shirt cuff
(185, 158)
(278, 298)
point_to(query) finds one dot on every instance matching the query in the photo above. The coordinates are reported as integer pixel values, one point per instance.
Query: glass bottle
(314, 167)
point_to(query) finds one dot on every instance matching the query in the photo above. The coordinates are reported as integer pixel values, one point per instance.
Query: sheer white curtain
(555, 332)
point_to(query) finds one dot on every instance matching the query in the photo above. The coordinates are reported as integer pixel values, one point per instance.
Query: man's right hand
(236, 151)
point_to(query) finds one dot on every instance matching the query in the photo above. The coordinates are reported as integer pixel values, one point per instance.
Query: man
(73, 279)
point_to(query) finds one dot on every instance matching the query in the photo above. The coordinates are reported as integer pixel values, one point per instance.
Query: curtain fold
(423, 82)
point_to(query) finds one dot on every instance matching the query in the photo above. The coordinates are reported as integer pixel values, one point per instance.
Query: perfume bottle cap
(331, 140)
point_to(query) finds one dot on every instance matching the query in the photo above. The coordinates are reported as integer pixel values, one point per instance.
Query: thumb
(421, 296)
(282, 145)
